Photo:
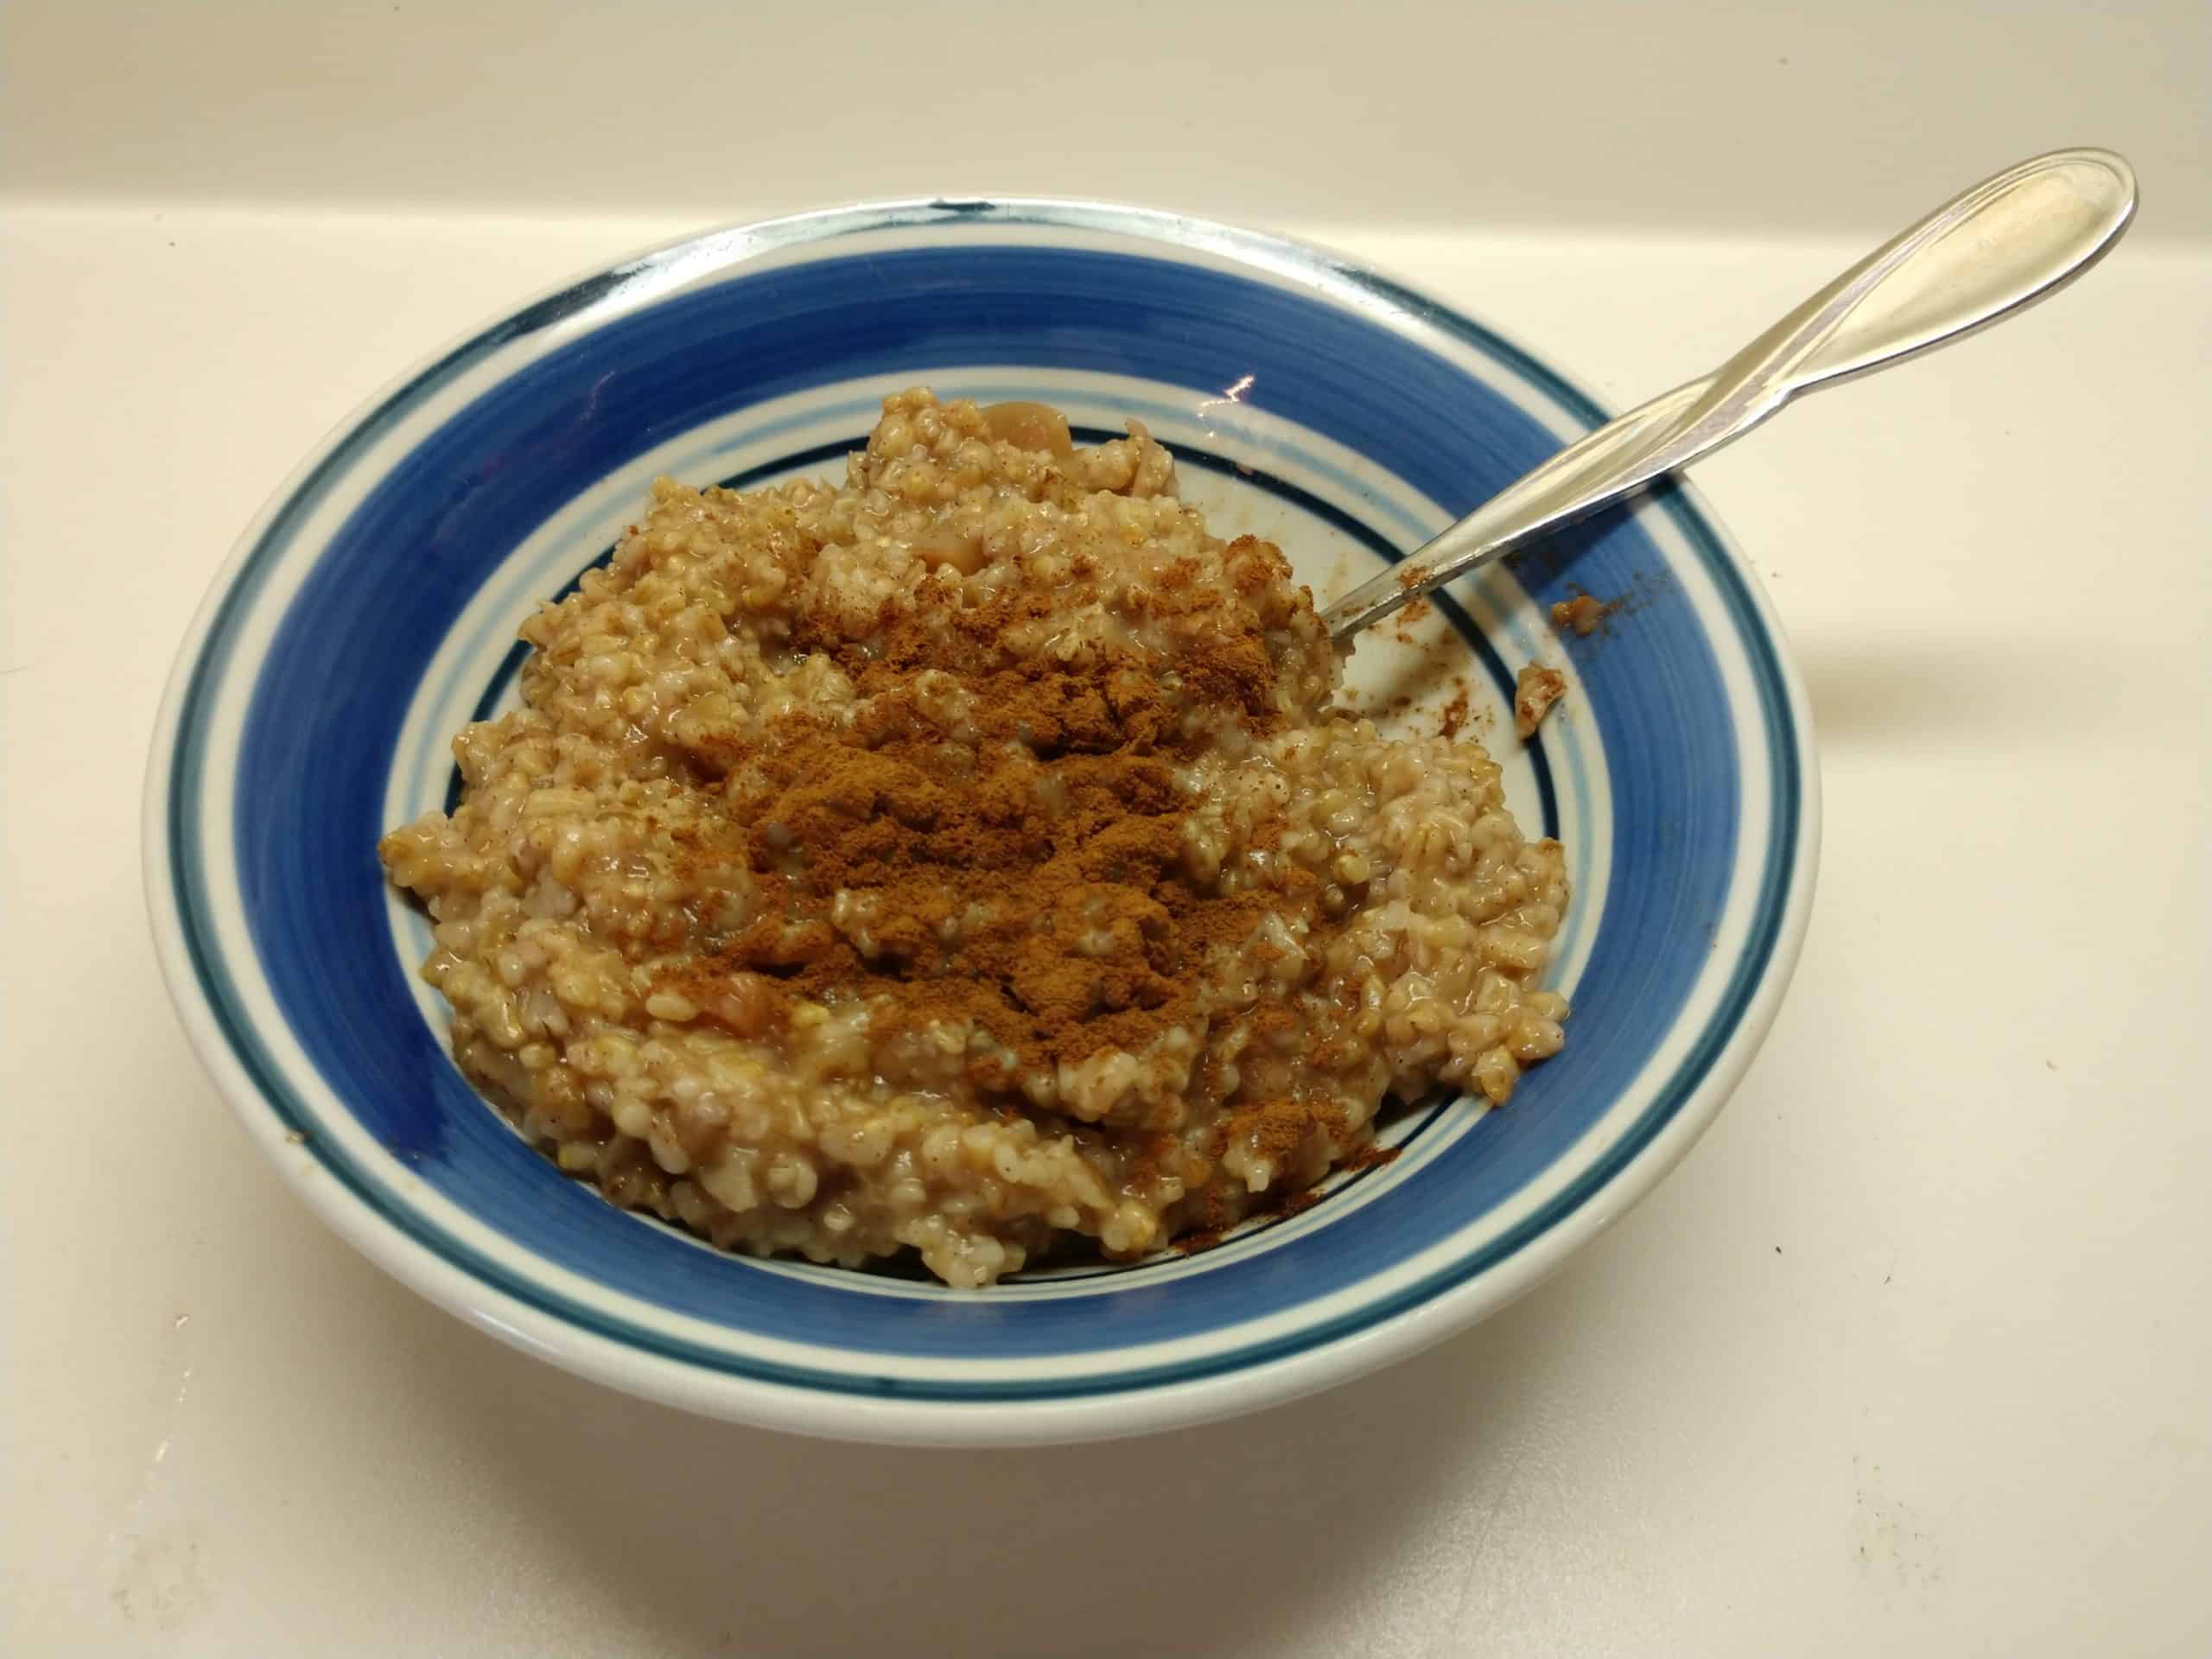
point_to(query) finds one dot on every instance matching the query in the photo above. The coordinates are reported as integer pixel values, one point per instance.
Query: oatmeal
(964, 859)
(1582, 614)
(1535, 689)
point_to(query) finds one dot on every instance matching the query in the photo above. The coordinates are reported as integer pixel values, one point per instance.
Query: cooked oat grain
(963, 858)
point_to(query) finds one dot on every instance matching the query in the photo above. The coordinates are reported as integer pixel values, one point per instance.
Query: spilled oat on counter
(964, 857)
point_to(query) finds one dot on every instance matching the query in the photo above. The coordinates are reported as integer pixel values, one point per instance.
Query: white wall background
(1691, 118)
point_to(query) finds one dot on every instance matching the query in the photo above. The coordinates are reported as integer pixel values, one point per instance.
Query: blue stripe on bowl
(305, 811)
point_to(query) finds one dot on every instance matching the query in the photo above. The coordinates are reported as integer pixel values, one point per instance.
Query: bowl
(372, 608)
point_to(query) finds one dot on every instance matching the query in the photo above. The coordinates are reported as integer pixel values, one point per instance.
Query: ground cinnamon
(997, 839)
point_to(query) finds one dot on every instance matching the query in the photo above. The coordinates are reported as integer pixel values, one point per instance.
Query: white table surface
(1913, 1355)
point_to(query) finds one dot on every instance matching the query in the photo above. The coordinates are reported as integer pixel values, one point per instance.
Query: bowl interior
(375, 612)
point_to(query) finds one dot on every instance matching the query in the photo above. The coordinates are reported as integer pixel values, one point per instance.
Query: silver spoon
(1994, 251)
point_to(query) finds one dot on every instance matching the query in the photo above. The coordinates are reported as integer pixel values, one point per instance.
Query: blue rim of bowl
(173, 853)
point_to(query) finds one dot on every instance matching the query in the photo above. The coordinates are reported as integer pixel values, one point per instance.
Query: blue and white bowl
(372, 611)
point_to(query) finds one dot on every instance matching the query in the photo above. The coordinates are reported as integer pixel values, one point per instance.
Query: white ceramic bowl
(372, 609)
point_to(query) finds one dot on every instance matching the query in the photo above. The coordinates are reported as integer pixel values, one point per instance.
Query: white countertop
(1913, 1355)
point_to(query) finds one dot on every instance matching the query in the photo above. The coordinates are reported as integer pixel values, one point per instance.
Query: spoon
(1994, 251)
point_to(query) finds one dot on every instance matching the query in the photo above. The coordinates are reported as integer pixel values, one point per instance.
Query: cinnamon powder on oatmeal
(1033, 885)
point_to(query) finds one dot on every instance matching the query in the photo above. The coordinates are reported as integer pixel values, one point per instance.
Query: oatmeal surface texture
(970, 859)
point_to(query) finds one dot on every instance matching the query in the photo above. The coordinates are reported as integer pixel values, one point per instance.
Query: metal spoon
(1994, 251)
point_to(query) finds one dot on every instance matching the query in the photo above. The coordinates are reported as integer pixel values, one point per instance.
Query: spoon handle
(2000, 246)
